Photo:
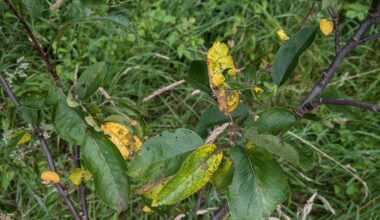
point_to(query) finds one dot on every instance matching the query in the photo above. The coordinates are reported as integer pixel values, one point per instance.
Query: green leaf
(258, 186)
(198, 76)
(275, 121)
(287, 56)
(212, 116)
(349, 112)
(90, 80)
(273, 144)
(223, 175)
(101, 157)
(67, 122)
(195, 172)
(162, 155)
(108, 168)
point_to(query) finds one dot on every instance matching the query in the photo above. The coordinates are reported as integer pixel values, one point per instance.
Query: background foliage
(149, 44)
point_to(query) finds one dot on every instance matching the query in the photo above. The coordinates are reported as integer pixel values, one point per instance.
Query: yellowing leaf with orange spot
(326, 26)
(50, 176)
(123, 138)
(218, 61)
(78, 175)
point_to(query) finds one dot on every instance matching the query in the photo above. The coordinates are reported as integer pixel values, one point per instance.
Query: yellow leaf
(146, 209)
(78, 175)
(258, 90)
(218, 60)
(326, 26)
(217, 51)
(232, 101)
(24, 138)
(218, 79)
(123, 138)
(281, 33)
(50, 176)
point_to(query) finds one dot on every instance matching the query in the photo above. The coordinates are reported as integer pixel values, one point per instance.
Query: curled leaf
(124, 139)
(282, 35)
(78, 175)
(326, 26)
(50, 176)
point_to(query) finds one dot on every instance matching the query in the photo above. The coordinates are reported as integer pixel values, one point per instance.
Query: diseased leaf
(282, 35)
(50, 176)
(258, 186)
(152, 189)
(22, 136)
(108, 168)
(287, 56)
(326, 26)
(195, 172)
(212, 116)
(162, 155)
(90, 80)
(100, 155)
(275, 120)
(78, 175)
(123, 138)
(273, 144)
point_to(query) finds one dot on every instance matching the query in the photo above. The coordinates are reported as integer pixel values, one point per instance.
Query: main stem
(45, 148)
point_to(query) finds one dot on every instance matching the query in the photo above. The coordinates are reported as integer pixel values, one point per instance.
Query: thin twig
(82, 186)
(335, 17)
(311, 9)
(60, 188)
(36, 45)
(310, 106)
(369, 37)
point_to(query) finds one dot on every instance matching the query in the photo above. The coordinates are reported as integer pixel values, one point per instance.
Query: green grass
(182, 31)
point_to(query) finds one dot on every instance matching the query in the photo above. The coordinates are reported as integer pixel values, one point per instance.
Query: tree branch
(36, 45)
(60, 188)
(372, 18)
(369, 37)
(310, 106)
(82, 186)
